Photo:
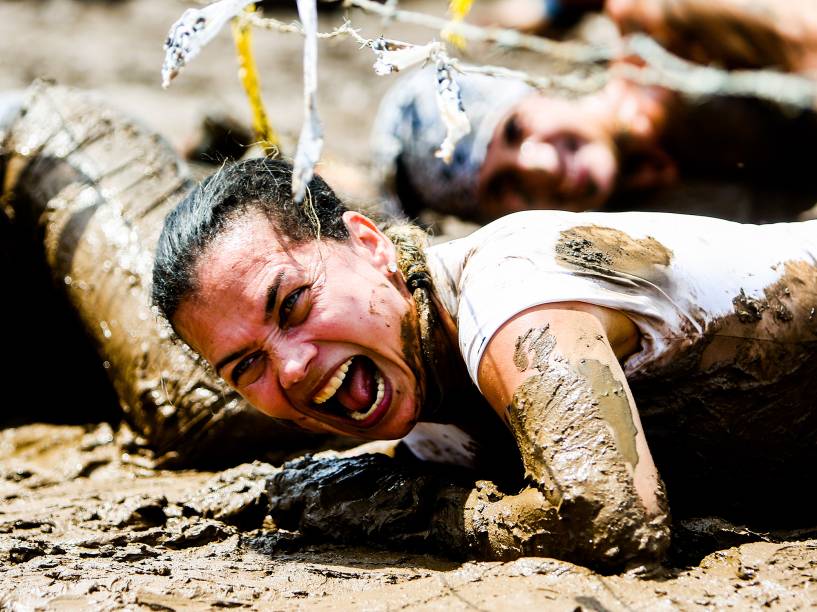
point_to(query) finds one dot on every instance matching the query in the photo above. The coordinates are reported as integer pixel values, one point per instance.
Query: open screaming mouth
(356, 390)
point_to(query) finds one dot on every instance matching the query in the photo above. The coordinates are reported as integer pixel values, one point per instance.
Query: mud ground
(85, 524)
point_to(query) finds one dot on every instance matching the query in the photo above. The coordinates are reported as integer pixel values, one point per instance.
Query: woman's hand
(552, 374)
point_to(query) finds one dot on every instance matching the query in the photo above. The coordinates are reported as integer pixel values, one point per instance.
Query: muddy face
(317, 330)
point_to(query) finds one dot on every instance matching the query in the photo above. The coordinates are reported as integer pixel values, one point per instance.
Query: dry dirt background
(84, 525)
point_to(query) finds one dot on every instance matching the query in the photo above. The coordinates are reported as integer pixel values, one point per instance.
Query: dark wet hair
(263, 185)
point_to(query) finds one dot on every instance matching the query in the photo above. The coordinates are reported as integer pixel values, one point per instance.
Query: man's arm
(552, 374)
(734, 33)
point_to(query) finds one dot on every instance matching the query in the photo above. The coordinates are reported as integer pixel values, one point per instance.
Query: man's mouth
(356, 390)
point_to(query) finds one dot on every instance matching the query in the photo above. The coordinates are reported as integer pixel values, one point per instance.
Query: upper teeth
(334, 383)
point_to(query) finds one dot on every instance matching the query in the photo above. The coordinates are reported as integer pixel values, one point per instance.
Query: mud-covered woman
(601, 341)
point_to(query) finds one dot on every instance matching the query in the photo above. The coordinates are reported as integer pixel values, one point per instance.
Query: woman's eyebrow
(231, 357)
(272, 295)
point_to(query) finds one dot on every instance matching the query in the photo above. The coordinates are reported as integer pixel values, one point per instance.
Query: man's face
(548, 153)
(319, 333)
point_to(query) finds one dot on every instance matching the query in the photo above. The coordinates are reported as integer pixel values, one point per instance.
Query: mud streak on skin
(613, 405)
(574, 443)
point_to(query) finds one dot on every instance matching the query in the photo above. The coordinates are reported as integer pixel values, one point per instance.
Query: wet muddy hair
(263, 185)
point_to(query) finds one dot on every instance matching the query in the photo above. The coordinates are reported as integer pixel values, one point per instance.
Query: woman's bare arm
(552, 373)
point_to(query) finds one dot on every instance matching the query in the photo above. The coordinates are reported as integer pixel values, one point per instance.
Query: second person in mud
(558, 321)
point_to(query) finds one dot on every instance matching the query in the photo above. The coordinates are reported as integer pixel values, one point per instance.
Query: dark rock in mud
(20, 551)
(372, 499)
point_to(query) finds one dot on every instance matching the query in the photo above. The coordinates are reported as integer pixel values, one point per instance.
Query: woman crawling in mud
(606, 343)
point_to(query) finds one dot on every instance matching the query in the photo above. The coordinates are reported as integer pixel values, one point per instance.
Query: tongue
(359, 389)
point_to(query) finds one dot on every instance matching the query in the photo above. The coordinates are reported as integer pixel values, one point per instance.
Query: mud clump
(372, 499)
(137, 512)
(602, 248)
(237, 496)
(749, 310)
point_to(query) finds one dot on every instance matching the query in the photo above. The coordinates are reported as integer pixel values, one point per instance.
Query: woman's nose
(294, 359)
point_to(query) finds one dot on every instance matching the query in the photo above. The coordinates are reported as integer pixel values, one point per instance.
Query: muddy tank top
(678, 277)
(723, 379)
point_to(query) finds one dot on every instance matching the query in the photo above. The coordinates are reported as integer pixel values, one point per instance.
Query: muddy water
(91, 189)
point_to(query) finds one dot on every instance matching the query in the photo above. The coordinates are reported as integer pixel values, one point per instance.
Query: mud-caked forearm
(574, 427)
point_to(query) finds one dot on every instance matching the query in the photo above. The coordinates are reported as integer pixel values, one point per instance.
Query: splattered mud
(604, 247)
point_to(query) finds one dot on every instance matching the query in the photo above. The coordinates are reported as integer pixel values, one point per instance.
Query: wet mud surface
(82, 525)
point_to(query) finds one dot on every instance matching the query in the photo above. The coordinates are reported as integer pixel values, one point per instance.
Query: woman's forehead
(250, 231)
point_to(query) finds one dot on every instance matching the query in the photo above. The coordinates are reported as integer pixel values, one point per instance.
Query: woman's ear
(368, 240)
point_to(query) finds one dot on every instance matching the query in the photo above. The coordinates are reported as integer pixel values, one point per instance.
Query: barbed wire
(593, 65)
(661, 68)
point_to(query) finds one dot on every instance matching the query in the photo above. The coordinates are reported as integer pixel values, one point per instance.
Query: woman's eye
(294, 308)
(248, 370)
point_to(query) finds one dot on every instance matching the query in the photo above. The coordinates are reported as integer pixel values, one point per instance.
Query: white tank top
(673, 275)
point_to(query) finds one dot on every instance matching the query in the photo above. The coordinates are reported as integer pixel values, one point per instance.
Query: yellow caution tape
(248, 73)
(458, 9)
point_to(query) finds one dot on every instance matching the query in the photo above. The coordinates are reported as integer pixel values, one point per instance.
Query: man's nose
(294, 359)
